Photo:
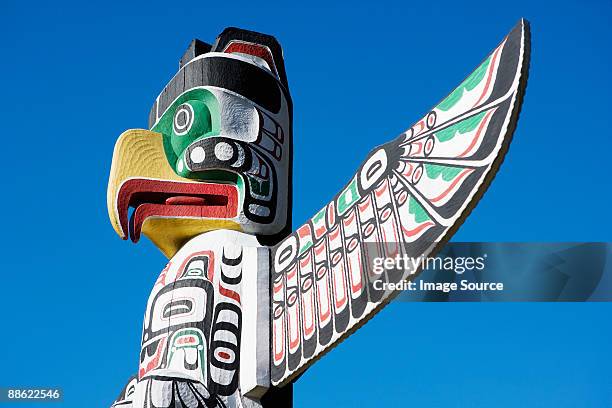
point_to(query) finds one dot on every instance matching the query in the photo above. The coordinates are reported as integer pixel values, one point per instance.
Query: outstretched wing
(408, 198)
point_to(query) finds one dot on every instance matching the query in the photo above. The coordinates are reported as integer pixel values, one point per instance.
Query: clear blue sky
(75, 75)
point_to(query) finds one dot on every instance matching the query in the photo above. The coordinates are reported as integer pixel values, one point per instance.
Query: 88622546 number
(15, 394)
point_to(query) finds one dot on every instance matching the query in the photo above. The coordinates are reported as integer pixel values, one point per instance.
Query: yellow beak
(139, 155)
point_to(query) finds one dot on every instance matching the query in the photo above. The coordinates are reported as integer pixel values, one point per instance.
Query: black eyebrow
(237, 76)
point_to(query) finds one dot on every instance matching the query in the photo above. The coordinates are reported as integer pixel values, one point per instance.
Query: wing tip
(525, 63)
(525, 26)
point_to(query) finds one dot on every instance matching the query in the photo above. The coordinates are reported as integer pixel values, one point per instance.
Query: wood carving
(243, 305)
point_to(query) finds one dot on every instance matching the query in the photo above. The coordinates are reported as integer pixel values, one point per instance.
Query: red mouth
(170, 199)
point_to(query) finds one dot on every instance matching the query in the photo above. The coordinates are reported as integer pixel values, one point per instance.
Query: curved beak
(168, 209)
(138, 154)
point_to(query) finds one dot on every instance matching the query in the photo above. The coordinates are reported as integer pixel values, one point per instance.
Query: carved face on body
(192, 325)
(218, 154)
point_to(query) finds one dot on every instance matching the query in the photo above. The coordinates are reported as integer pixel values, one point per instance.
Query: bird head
(218, 151)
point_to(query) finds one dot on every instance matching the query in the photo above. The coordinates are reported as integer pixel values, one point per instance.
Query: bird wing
(407, 199)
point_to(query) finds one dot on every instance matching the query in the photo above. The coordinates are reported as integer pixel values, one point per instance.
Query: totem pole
(244, 306)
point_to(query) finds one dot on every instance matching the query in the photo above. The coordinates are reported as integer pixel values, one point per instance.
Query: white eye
(183, 119)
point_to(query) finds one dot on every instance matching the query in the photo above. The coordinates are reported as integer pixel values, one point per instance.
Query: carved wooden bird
(243, 305)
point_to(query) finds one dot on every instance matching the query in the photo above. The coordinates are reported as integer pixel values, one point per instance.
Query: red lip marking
(186, 200)
(170, 199)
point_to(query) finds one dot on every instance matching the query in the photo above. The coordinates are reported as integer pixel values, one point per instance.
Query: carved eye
(368, 229)
(278, 311)
(385, 214)
(177, 307)
(402, 197)
(191, 120)
(292, 298)
(352, 244)
(307, 283)
(183, 119)
(336, 257)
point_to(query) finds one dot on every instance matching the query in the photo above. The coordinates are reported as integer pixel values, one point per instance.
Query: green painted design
(217, 176)
(319, 216)
(305, 247)
(466, 125)
(201, 351)
(417, 210)
(435, 170)
(206, 123)
(201, 126)
(348, 197)
(305, 243)
(195, 272)
(260, 188)
(468, 84)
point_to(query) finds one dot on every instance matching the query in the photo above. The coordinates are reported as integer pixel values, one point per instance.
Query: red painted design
(211, 263)
(331, 214)
(489, 75)
(453, 184)
(402, 197)
(417, 230)
(186, 200)
(304, 231)
(307, 298)
(305, 261)
(416, 176)
(364, 205)
(420, 126)
(406, 170)
(319, 248)
(161, 280)
(292, 272)
(308, 329)
(381, 189)
(279, 334)
(155, 198)
(339, 290)
(350, 219)
(155, 361)
(319, 232)
(294, 330)
(256, 50)
(278, 323)
(324, 310)
(229, 293)
(418, 145)
(333, 234)
(278, 286)
(477, 136)
(356, 287)
(186, 340)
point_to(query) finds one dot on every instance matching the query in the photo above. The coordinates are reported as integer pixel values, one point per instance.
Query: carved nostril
(197, 155)
(224, 151)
